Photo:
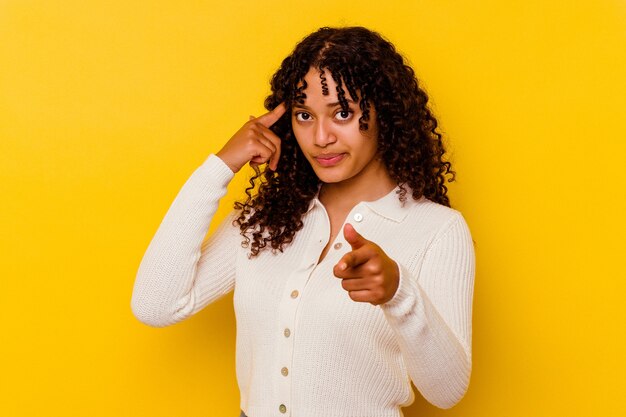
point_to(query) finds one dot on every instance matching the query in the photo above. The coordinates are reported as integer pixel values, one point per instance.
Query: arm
(179, 274)
(431, 314)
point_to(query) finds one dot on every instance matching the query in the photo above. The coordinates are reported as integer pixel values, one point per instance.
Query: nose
(324, 134)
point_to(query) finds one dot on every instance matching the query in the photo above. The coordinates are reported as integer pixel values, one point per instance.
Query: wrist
(394, 281)
(405, 295)
(227, 162)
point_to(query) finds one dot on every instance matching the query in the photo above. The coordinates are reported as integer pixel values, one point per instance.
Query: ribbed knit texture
(304, 348)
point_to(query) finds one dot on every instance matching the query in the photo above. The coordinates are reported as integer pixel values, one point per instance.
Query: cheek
(301, 144)
(368, 151)
(303, 141)
(298, 139)
(367, 141)
(297, 133)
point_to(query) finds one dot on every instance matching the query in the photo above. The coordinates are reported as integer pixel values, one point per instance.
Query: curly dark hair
(367, 66)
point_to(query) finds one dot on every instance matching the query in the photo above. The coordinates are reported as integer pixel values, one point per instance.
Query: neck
(346, 194)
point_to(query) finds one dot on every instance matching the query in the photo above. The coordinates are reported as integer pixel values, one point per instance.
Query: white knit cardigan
(304, 348)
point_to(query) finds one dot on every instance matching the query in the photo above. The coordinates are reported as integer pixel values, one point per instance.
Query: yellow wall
(106, 107)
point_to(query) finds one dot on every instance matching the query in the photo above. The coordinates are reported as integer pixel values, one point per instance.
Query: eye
(302, 116)
(343, 115)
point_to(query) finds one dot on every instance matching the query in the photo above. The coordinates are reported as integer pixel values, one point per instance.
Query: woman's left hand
(367, 273)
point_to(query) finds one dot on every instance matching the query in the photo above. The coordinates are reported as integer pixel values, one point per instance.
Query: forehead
(320, 85)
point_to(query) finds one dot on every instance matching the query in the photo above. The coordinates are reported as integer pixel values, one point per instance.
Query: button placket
(357, 214)
(290, 302)
(293, 293)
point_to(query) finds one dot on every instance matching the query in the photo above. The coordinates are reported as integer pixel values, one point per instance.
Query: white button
(284, 371)
(337, 246)
(358, 217)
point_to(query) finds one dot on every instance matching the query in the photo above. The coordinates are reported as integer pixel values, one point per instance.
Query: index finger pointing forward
(271, 117)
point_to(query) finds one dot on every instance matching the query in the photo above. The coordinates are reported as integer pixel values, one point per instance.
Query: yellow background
(106, 107)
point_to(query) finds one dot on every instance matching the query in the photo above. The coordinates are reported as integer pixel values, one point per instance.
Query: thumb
(353, 237)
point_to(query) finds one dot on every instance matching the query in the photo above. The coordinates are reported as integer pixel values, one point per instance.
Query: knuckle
(377, 297)
(373, 268)
(378, 281)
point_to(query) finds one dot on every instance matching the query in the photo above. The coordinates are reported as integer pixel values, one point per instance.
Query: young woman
(352, 276)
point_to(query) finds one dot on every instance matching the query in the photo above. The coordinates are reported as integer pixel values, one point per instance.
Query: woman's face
(330, 137)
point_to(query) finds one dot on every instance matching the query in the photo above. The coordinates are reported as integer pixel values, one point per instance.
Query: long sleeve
(431, 315)
(179, 274)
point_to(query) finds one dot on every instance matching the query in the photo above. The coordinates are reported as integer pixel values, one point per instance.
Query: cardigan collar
(388, 206)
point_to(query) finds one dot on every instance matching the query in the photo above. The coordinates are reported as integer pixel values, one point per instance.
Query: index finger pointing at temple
(269, 118)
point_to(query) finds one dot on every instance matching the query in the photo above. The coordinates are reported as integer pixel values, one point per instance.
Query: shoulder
(427, 210)
(434, 219)
(422, 215)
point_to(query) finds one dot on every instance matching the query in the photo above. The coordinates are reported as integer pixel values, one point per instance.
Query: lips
(329, 159)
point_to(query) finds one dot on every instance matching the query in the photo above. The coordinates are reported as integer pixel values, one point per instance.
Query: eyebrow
(303, 106)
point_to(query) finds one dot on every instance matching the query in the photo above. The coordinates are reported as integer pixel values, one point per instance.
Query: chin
(329, 177)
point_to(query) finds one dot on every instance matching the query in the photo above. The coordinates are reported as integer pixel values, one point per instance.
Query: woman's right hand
(254, 142)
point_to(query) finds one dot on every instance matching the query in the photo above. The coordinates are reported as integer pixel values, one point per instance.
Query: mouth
(330, 159)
